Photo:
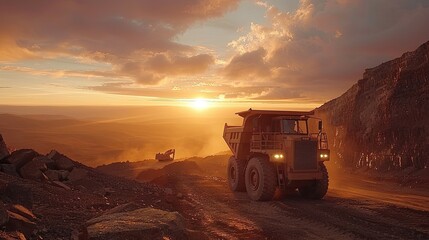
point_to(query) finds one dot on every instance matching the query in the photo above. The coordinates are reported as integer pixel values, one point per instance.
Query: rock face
(382, 122)
(143, 223)
(4, 152)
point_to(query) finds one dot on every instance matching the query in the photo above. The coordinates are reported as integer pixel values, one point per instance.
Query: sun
(199, 103)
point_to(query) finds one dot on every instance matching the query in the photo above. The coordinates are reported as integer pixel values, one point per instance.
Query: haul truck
(274, 149)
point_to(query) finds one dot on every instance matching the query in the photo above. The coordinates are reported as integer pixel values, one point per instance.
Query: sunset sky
(229, 52)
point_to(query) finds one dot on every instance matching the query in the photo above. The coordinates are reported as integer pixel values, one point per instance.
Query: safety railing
(322, 138)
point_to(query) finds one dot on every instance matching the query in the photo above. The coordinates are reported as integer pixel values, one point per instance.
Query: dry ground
(352, 209)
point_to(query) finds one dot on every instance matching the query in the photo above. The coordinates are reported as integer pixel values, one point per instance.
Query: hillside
(115, 138)
(381, 122)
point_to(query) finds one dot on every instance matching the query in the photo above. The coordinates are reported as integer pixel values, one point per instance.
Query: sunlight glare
(199, 103)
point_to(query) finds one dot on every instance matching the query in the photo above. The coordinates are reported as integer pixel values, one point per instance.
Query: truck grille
(305, 155)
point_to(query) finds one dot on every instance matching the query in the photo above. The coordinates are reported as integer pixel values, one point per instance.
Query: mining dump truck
(166, 156)
(274, 149)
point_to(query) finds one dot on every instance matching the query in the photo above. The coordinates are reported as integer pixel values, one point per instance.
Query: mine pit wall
(382, 122)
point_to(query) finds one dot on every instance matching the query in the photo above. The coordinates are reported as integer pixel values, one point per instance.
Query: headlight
(324, 155)
(278, 156)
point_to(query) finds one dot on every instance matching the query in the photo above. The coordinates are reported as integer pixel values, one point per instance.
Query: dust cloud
(101, 135)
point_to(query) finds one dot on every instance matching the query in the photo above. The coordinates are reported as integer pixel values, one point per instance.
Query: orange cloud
(325, 46)
(122, 33)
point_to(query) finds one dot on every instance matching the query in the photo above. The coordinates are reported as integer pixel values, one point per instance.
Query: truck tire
(236, 170)
(318, 188)
(260, 179)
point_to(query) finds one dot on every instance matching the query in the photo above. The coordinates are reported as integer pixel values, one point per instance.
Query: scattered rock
(12, 235)
(57, 175)
(49, 162)
(53, 175)
(179, 195)
(4, 152)
(4, 216)
(108, 191)
(19, 194)
(77, 174)
(61, 162)
(61, 185)
(20, 223)
(143, 223)
(23, 211)
(34, 170)
(21, 157)
(9, 169)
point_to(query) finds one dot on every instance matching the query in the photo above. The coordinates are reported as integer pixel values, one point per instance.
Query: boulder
(57, 175)
(4, 216)
(18, 193)
(49, 162)
(4, 152)
(53, 175)
(143, 223)
(21, 157)
(34, 170)
(77, 174)
(23, 211)
(20, 223)
(9, 169)
(61, 162)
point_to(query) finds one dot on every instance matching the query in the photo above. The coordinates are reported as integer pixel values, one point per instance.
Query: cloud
(248, 65)
(123, 33)
(323, 47)
(194, 90)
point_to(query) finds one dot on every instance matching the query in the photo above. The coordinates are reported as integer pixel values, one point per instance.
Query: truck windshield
(293, 126)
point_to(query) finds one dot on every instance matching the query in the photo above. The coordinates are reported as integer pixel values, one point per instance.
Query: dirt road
(351, 210)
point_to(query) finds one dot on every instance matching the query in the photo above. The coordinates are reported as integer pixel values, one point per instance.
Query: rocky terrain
(381, 122)
(53, 197)
(355, 208)
(379, 126)
(190, 199)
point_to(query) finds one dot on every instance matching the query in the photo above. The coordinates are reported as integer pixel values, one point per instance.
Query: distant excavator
(167, 156)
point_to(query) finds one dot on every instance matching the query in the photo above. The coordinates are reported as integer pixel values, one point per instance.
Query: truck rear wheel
(236, 170)
(260, 179)
(318, 188)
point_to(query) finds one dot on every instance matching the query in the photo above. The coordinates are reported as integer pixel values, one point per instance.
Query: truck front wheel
(260, 179)
(317, 188)
(236, 170)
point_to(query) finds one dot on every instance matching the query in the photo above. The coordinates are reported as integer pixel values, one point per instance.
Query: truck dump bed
(237, 139)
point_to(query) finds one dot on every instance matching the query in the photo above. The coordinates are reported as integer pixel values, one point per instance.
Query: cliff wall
(382, 121)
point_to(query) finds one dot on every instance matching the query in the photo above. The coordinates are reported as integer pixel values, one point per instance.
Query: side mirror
(320, 126)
